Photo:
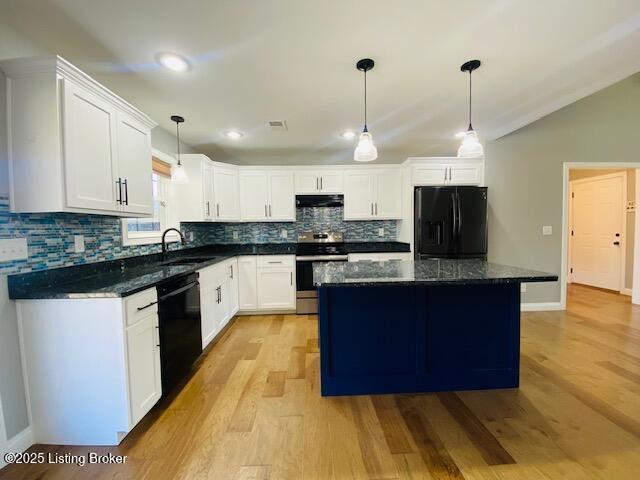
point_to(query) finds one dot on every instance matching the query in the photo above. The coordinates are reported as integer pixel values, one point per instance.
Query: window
(141, 231)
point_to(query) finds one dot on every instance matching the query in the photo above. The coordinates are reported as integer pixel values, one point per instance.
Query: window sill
(151, 240)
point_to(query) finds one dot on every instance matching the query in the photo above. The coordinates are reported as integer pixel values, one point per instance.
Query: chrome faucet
(164, 241)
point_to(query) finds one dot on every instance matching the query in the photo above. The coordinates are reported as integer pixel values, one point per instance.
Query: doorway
(597, 224)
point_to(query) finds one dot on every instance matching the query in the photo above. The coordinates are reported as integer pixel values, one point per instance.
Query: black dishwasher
(180, 330)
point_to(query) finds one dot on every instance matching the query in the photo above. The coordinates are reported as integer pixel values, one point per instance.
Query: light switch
(236, 235)
(547, 230)
(13, 249)
(381, 232)
(78, 243)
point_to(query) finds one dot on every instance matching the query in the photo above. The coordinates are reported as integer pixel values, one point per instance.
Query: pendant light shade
(471, 146)
(365, 150)
(178, 173)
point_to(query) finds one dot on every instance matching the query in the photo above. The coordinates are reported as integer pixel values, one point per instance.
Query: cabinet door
(254, 195)
(222, 304)
(276, 288)
(143, 364)
(247, 286)
(307, 182)
(468, 174)
(90, 159)
(225, 191)
(282, 199)
(436, 174)
(358, 195)
(134, 165)
(332, 182)
(233, 288)
(388, 203)
(208, 307)
(207, 189)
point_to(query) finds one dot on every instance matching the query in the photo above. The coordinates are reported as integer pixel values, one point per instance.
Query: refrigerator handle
(454, 228)
(459, 213)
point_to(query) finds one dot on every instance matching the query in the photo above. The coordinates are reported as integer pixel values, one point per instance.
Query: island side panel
(395, 339)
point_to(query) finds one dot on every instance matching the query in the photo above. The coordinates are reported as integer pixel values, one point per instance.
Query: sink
(188, 261)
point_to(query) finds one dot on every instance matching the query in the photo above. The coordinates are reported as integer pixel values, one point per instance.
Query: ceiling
(255, 61)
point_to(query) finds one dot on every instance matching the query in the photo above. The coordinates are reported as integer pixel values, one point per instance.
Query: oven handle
(322, 258)
(180, 290)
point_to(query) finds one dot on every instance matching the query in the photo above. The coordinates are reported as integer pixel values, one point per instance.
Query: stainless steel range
(314, 247)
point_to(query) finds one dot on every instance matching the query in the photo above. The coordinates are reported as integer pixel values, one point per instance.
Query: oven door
(306, 293)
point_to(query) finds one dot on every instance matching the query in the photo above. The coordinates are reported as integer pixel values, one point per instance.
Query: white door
(465, 174)
(227, 199)
(208, 311)
(207, 189)
(254, 195)
(276, 288)
(222, 303)
(388, 204)
(436, 174)
(90, 157)
(134, 165)
(233, 288)
(332, 182)
(247, 286)
(358, 195)
(307, 182)
(282, 204)
(143, 356)
(597, 240)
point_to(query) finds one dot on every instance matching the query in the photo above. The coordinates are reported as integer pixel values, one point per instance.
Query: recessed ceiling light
(173, 62)
(233, 134)
(348, 135)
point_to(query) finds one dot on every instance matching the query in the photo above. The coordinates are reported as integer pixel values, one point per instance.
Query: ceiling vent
(278, 126)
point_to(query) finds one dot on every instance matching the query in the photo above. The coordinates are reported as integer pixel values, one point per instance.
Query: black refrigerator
(450, 222)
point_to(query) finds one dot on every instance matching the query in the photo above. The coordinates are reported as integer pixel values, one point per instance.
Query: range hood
(319, 201)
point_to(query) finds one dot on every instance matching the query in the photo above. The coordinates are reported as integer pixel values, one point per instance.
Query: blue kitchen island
(419, 326)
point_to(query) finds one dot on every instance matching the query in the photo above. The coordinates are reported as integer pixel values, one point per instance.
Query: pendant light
(366, 150)
(471, 146)
(178, 174)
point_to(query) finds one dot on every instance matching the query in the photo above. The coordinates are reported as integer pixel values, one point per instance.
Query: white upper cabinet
(226, 193)
(74, 145)
(208, 197)
(319, 181)
(373, 194)
(267, 195)
(447, 171)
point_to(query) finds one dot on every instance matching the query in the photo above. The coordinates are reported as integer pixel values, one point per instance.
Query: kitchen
(228, 306)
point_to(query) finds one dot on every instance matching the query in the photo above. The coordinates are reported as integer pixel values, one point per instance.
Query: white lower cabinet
(218, 297)
(92, 366)
(267, 282)
(380, 257)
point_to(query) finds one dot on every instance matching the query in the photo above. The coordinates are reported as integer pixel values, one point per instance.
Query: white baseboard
(541, 307)
(21, 441)
(626, 291)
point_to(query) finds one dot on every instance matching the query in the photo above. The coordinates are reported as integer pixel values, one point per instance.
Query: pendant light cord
(178, 136)
(470, 127)
(365, 101)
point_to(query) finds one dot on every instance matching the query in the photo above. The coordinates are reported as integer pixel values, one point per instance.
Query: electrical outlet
(523, 287)
(236, 235)
(547, 230)
(284, 234)
(381, 232)
(13, 249)
(78, 243)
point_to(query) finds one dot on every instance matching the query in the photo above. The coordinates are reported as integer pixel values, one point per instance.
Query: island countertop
(422, 272)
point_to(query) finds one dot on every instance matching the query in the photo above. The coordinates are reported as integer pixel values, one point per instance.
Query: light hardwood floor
(253, 410)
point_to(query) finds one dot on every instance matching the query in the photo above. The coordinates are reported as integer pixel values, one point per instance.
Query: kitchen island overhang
(419, 326)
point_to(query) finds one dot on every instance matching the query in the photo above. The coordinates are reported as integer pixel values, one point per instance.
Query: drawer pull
(147, 306)
(277, 262)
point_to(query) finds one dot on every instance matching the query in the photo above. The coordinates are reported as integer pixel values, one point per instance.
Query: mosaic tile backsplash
(50, 236)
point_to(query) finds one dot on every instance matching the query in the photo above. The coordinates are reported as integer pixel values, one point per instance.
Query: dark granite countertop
(123, 277)
(422, 272)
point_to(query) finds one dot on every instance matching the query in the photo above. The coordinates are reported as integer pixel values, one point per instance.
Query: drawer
(141, 305)
(266, 261)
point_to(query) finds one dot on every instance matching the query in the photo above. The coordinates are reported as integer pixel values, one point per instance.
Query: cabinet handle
(265, 210)
(147, 306)
(291, 273)
(321, 187)
(217, 209)
(376, 208)
(231, 270)
(445, 173)
(208, 209)
(126, 192)
(269, 209)
(277, 262)
(119, 197)
(317, 184)
(371, 208)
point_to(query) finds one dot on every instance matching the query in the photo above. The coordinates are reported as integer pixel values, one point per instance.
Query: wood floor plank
(395, 430)
(275, 384)
(490, 448)
(297, 362)
(622, 372)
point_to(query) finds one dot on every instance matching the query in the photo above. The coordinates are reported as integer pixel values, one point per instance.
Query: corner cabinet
(267, 195)
(99, 366)
(267, 283)
(446, 171)
(373, 194)
(75, 146)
